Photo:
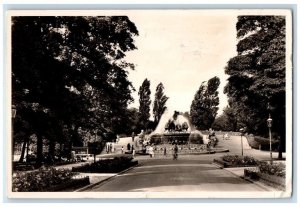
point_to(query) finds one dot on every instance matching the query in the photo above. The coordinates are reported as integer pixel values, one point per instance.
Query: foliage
(115, 165)
(239, 160)
(257, 74)
(69, 72)
(159, 105)
(196, 138)
(277, 169)
(227, 121)
(40, 180)
(205, 104)
(145, 101)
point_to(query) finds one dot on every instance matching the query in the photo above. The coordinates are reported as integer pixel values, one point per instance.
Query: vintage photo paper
(149, 103)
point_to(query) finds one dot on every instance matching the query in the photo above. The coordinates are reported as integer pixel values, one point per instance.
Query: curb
(251, 181)
(217, 165)
(258, 184)
(105, 180)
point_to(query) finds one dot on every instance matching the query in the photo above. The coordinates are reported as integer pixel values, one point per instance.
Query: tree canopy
(204, 107)
(159, 105)
(257, 74)
(145, 101)
(69, 72)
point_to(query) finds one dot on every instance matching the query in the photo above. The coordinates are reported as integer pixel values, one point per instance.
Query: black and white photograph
(150, 103)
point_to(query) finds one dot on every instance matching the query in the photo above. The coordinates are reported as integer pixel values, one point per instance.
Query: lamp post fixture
(13, 111)
(13, 116)
(242, 133)
(269, 123)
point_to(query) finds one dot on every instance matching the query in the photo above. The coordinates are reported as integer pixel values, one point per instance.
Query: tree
(257, 73)
(204, 107)
(69, 72)
(159, 105)
(144, 109)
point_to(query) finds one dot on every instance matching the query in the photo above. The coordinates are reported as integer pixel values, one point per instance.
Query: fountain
(177, 129)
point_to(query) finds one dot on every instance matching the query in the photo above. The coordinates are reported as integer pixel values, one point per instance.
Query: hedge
(40, 180)
(114, 165)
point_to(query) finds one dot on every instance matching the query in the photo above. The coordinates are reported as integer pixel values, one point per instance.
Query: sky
(181, 49)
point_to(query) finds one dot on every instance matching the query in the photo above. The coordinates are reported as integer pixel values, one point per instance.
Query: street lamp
(242, 133)
(13, 111)
(269, 123)
(13, 115)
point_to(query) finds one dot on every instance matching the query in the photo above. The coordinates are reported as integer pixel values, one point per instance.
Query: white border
(158, 194)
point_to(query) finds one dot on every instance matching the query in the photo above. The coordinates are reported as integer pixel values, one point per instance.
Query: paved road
(189, 173)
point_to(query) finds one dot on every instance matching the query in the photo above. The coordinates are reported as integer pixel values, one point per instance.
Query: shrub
(196, 138)
(264, 143)
(277, 169)
(155, 139)
(114, 165)
(239, 160)
(40, 180)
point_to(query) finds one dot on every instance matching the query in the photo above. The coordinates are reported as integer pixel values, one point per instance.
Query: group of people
(109, 147)
(175, 151)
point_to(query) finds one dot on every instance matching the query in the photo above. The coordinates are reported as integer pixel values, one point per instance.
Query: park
(105, 104)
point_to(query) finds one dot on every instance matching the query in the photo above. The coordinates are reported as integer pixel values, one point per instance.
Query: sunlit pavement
(188, 173)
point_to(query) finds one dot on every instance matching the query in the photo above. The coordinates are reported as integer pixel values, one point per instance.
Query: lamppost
(242, 133)
(13, 116)
(269, 123)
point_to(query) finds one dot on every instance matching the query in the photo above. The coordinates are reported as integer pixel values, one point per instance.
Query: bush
(264, 143)
(40, 180)
(196, 138)
(239, 160)
(114, 165)
(156, 139)
(277, 169)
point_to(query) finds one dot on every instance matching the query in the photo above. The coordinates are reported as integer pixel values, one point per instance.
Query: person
(151, 152)
(110, 147)
(133, 151)
(132, 136)
(175, 152)
(165, 151)
(142, 136)
(107, 148)
(118, 138)
(128, 147)
(226, 136)
(122, 150)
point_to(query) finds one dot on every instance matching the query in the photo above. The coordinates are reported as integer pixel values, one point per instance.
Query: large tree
(159, 105)
(204, 107)
(69, 72)
(256, 82)
(145, 101)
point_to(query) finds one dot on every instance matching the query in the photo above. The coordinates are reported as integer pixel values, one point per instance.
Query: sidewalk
(239, 172)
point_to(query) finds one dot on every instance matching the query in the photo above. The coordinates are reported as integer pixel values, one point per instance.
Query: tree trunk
(23, 151)
(39, 153)
(51, 150)
(280, 148)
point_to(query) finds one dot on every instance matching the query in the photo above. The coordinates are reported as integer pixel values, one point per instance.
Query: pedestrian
(132, 136)
(175, 156)
(110, 147)
(226, 136)
(122, 150)
(151, 152)
(133, 151)
(118, 138)
(128, 147)
(142, 136)
(107, 148)
(165, 151)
